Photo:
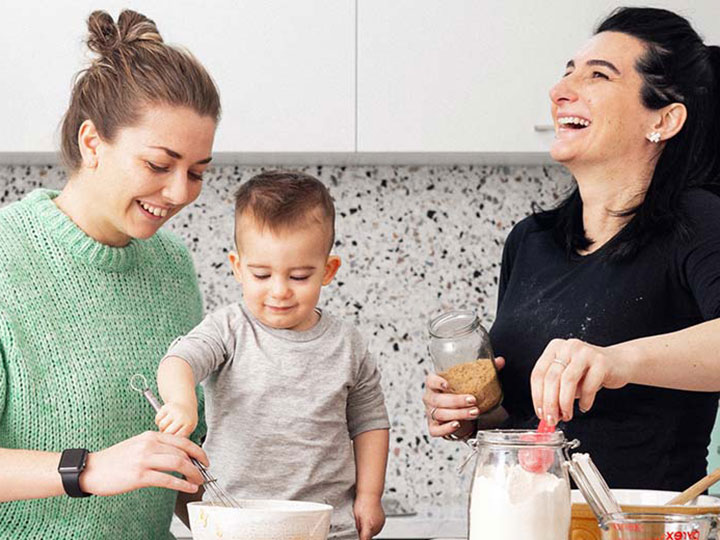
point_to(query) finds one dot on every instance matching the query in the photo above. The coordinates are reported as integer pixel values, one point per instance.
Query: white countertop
(429, 523)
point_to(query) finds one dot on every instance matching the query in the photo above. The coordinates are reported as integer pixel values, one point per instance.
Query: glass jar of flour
(520, 488)
(462, 355)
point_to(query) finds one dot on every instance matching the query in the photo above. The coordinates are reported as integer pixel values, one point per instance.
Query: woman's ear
(88, 142)
(672, 119)
(331, 267)
(235, 265)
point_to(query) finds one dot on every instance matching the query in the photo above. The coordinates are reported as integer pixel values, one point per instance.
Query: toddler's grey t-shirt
(282, 407)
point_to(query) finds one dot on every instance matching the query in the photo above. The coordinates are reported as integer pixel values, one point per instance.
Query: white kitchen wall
(340, 78)
(285, 68)
(473, 76)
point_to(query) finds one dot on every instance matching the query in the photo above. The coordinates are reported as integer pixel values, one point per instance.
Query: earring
(654, 137)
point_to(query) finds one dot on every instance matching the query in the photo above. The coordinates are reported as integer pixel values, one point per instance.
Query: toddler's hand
(177, 419)
(369, 515)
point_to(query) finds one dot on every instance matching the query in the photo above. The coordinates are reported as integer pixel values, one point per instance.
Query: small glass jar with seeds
(462, 355)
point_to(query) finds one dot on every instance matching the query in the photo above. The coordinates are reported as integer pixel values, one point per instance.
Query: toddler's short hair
(283, 199)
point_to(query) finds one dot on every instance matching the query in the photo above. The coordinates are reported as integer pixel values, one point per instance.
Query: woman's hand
(450, 413)
(571, 369)
(143, 461)
(176, 418)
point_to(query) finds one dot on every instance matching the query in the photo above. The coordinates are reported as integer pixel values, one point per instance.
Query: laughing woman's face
(597, 105)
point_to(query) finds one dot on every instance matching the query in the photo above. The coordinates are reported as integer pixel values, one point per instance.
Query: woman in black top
(619, 287)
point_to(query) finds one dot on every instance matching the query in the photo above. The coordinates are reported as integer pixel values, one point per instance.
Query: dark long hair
(677, 67)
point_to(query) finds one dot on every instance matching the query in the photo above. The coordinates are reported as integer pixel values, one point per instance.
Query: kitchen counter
(429, 523)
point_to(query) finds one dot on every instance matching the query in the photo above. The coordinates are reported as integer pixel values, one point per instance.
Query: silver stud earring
(654, 137)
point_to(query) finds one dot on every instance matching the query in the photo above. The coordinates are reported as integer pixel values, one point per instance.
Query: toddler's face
(282, 273)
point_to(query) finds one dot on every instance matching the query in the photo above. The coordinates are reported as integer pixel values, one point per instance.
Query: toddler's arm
(371, 450)
(176, 384)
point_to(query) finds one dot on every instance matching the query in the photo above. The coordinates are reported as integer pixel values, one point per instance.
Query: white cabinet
(286, 72)
(473, 75)
(285, 68)
(332, 77)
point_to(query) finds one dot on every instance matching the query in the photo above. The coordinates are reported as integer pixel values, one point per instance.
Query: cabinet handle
(544, 127)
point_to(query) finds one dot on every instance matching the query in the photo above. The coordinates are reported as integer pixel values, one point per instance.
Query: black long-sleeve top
(638, 436)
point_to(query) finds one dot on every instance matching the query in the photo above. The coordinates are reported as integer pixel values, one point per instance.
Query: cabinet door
(472, 75)
(285, 68)
(286, 72)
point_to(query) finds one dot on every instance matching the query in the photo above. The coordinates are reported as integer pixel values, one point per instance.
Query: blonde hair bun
(131, 29)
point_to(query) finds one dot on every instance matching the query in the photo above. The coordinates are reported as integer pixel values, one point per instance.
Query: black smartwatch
(72, 463)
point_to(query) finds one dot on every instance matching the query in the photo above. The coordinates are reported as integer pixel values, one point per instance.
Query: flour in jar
(518, 504)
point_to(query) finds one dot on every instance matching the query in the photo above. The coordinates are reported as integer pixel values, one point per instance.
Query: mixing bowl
(260, 520)
(584, 526)
(629, 526)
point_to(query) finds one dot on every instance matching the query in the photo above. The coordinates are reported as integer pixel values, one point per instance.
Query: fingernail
(456, 425)
(474, 412)
(582, 411)
(470, 400)
(444, 386)
(539, 412)
(550, 420)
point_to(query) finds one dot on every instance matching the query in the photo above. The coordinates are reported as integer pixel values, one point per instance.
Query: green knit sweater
(77, 320)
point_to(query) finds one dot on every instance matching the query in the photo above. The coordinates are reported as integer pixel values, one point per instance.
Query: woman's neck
(605, 192)
(78, 203)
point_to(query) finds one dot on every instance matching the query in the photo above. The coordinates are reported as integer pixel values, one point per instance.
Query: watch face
(72, 460)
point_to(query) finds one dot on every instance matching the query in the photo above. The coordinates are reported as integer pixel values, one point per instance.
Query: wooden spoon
(696, 489)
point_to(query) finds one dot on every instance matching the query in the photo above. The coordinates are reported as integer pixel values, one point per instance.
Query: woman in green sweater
(91, 293)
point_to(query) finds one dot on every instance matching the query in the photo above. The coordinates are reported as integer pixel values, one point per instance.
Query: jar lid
(520, 438)
(453, 324)
(592, 485)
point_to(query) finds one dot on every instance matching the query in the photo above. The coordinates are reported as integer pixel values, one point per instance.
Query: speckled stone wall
(414, 241)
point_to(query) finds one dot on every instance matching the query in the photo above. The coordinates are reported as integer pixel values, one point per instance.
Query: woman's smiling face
(149, 172)
(597, 106)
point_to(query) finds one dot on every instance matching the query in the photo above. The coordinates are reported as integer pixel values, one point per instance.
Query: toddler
(294, 407)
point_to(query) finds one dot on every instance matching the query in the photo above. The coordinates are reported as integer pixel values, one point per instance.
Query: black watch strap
(72, 464)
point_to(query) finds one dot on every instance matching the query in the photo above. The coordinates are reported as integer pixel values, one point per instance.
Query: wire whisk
(218, 495)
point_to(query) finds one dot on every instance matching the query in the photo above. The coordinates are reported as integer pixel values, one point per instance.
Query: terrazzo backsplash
(414, 241)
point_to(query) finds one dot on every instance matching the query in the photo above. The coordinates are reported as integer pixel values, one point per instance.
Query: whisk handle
(152, 399)
(139, 383)
(198, 464)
